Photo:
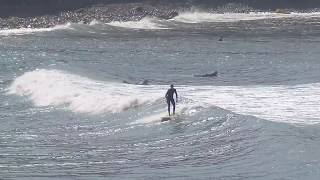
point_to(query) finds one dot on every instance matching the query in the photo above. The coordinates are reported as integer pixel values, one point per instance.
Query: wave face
(291, 104)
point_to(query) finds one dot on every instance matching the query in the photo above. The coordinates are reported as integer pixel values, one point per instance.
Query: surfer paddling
(170, 99)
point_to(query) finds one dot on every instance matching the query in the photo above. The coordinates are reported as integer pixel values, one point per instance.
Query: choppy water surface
(71, 103)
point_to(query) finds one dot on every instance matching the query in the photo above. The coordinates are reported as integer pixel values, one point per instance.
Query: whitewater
(85, 101)
(292, 104)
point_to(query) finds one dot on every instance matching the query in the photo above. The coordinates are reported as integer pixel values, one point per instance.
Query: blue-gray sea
(85, 101)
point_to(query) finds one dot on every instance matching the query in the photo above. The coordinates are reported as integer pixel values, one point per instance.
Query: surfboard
(168, 118)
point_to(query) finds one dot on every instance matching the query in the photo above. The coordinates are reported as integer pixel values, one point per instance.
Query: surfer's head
(171, 86)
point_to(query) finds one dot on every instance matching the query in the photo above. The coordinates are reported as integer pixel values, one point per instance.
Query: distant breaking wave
(199, 17)
(24, 31)
(145, 23)
(151, 23)
(34, 15)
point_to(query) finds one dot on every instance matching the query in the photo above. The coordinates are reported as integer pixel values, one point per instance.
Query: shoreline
(101, 13)
(106, 13)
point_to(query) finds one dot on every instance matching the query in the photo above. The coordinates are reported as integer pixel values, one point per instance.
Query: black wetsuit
(169, 97)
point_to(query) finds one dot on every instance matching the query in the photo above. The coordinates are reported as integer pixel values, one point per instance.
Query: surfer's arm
(166, 96)
(175, 91)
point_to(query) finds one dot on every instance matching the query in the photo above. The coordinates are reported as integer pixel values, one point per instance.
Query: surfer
(169, 97)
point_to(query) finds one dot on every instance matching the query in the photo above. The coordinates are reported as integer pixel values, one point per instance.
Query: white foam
(23, 31)
(78, 94)
(94, 22)
(183, 109)
(198, 17)
(145, 23)
(154, 118)
(292, 104)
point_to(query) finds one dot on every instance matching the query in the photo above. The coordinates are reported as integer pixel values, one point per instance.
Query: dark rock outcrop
(101, 12)
(47, 13)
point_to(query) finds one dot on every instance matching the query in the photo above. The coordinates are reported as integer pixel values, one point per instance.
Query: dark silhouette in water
(170, 99)
(144, 82)
(214, 74)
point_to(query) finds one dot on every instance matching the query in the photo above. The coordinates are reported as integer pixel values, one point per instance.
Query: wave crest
(199, 16)
(145, 23)
(78, 94)
(23, 31)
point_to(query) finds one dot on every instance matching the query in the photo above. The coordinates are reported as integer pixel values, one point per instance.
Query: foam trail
(198, 17)
(292, 104)
(78, 94)
(185, 109)
(23, 31)
(145, 23)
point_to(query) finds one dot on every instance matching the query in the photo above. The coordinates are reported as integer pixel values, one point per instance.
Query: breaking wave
(76, 93)
(145, 23)
(199, 17)
(151, 23)
(24, 31)
(292, 104)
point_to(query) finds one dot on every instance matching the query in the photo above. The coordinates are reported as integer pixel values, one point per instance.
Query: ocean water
(72, 105)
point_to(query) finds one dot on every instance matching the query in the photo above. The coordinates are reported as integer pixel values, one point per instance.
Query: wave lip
(24, 31)
(78, 94)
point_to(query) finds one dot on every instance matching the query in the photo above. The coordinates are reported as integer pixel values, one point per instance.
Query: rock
(139, 9)
(103, 13)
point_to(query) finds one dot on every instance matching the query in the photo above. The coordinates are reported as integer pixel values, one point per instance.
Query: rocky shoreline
(101, 13)
(117, 12)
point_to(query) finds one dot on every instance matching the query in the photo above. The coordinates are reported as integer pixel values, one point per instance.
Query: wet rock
(169, 15)
(103, 13)
(139, 9)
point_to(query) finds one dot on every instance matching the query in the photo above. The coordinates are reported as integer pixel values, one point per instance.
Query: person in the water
(169, 97)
